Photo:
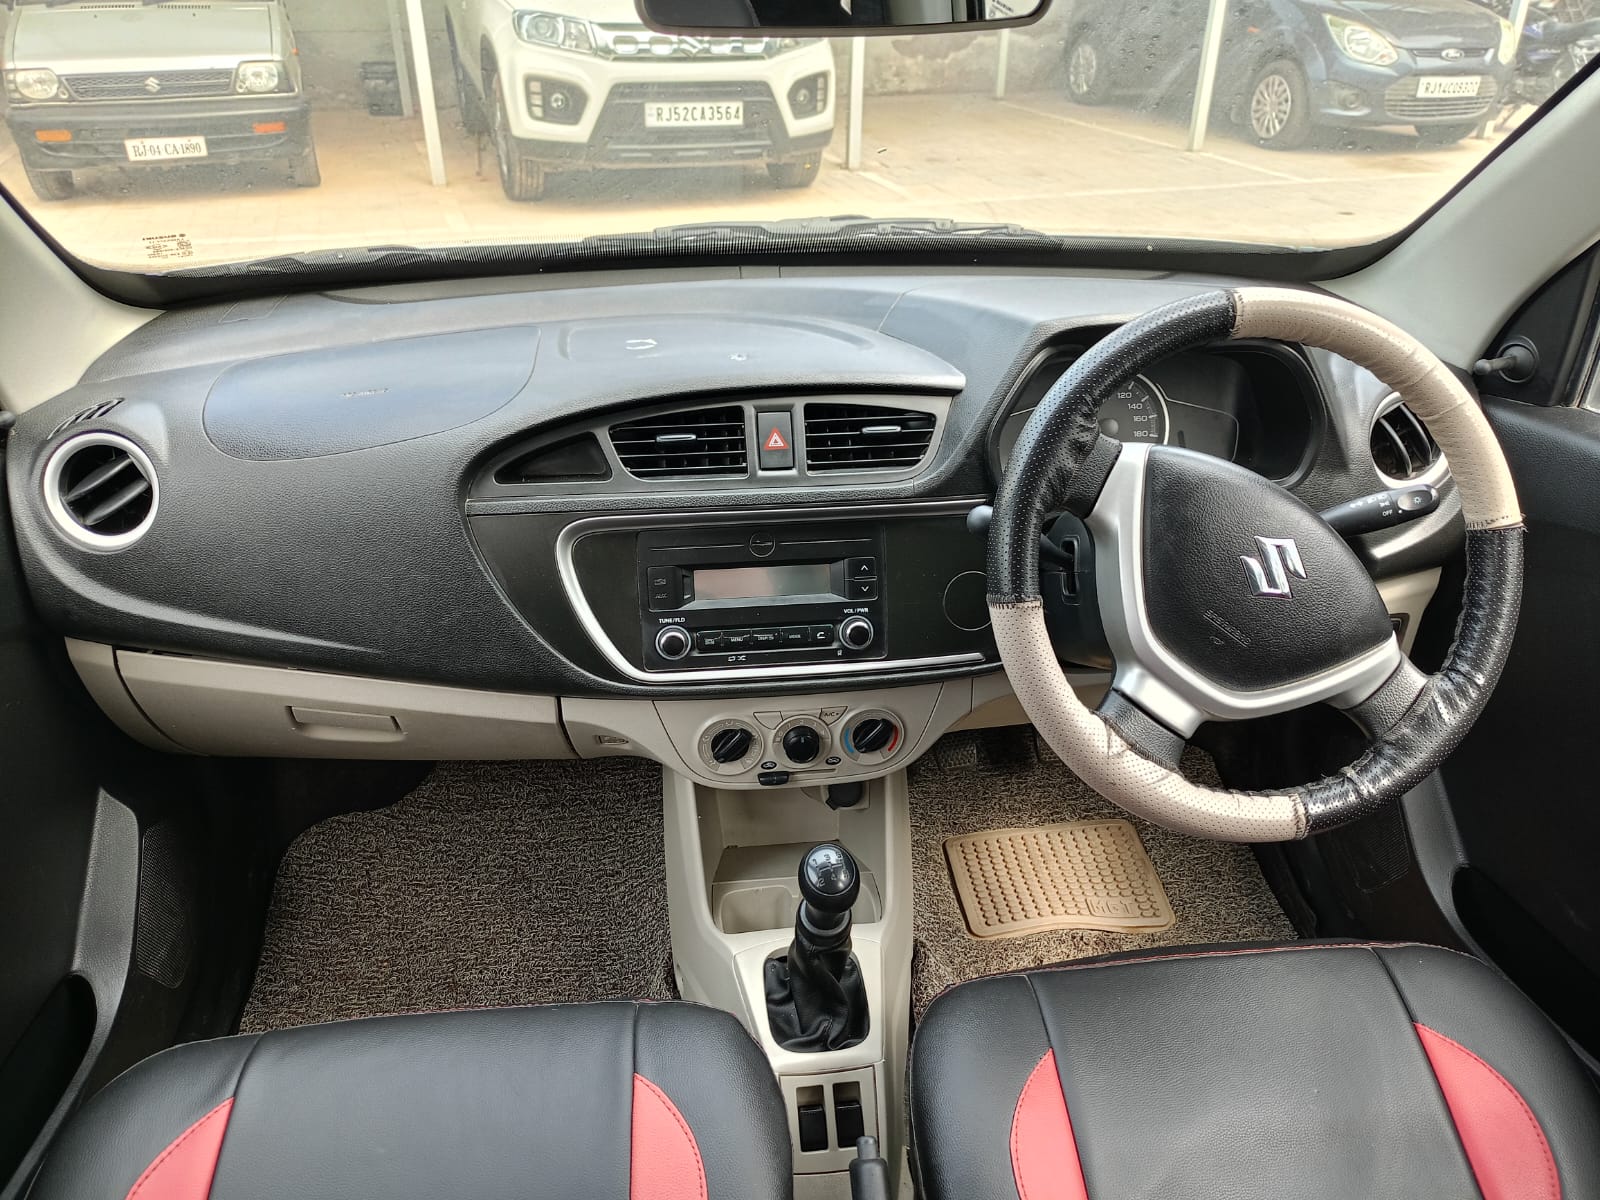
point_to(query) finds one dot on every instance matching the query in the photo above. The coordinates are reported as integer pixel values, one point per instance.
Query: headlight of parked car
(1508, 43)
(34, 83)
(1360, 42)
(259, 77)
(550, 29)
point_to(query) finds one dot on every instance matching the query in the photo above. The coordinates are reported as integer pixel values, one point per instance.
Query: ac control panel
(780, 746)
(779, 594)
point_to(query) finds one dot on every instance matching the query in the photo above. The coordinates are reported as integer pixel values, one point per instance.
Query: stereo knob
(856, 633)
(872, 735)
(673, 642)
(802, 744)
(730, 745)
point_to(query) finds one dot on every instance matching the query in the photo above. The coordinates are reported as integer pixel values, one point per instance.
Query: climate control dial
(730, 747)
(802, 740)
(872, 736)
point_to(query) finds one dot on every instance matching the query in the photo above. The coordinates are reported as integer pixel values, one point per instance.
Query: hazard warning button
(775, 440)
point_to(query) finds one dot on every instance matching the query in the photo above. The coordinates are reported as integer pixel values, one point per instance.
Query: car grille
(1469, 54)
(137, 85)
(620, 134)
(1402, 103)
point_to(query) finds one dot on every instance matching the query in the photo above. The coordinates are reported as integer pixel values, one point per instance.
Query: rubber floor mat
(1075, 875)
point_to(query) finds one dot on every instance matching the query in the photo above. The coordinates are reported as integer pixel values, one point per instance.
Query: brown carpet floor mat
(490, 884)
(1216, 889)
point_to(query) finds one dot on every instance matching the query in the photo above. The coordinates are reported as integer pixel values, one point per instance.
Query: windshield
(157, 137)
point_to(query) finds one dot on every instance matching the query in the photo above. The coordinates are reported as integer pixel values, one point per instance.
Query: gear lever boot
(816, 999)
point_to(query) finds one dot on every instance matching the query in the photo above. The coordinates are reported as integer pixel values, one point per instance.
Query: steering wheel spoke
(1140, 730)
(1383, 709)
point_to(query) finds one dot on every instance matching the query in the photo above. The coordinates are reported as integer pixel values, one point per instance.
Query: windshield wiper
(847, 228)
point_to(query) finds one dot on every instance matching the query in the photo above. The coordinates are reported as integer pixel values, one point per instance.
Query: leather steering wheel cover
(1041, 473)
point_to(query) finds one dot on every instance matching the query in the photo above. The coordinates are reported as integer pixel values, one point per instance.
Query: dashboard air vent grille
(93, 412)
(692, 444)
(101, 490)
(1402, 447)
(865, 437)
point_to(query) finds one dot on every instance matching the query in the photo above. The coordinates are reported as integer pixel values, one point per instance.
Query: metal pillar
(1002, 64)
(1210, 52)
(402, 65)
(858, 88)
(430, 109)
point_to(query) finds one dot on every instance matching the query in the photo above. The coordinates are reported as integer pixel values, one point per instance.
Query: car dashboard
(680, 517)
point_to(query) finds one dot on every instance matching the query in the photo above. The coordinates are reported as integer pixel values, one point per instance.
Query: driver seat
(1338, 1070)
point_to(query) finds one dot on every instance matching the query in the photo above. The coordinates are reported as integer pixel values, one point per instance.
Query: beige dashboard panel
(234, 709)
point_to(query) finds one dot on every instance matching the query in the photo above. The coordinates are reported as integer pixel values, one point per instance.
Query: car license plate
(696, 112)
(1439, 87)
(162, 149)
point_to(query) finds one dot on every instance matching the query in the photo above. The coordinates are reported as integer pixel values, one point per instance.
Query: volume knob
(673, 642)
(856, 633)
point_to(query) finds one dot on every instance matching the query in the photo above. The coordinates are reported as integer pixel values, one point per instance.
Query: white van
(90, 83)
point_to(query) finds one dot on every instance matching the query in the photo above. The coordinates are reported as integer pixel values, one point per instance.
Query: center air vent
(865, 437)
(101, 490)
(694, 444)
(1402, 447)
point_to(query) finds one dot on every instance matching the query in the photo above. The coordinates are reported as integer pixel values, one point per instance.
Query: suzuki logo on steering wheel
(1269, 574)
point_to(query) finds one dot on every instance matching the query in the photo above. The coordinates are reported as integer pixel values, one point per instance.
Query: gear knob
(830, 881)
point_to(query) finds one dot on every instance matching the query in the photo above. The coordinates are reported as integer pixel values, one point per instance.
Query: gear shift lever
(815, 996)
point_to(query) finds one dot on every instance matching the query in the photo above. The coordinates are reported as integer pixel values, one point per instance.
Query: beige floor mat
(1074, 875)
(1215, 888)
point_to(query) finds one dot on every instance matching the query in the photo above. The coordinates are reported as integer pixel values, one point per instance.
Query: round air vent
(1402, 448)
(101, 490)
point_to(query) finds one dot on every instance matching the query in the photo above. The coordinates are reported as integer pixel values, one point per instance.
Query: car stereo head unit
(748, 595)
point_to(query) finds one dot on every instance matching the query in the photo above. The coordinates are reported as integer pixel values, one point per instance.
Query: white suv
(558, 92)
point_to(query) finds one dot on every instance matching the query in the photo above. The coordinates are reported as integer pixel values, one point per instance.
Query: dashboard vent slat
(696, 442)
(866, 437)
(1402, 447)
(89, 414)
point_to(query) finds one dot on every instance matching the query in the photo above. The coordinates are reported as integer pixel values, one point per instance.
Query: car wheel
(797, 174)
(521, 178)
(304, 170)
(468, 106)
(1445, 135)
(1088, 79)
(51, 185)
(1279, 109)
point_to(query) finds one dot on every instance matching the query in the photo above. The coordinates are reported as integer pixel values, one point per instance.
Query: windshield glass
(161, 136)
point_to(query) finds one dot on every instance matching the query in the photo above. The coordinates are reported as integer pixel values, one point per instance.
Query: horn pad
(1243, 582)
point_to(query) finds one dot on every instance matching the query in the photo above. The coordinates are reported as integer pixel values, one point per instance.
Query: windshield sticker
(162, 247)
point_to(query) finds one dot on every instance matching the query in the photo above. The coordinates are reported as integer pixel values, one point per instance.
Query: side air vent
(1402, 447)
(92, 413)
(690, 445)
(101, 490)
(865, 437)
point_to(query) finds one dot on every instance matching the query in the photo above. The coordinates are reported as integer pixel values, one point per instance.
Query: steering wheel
(1225, 597)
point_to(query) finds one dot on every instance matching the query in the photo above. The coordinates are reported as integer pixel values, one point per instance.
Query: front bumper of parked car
(1352, 93)
(601, 119)
(66, 136)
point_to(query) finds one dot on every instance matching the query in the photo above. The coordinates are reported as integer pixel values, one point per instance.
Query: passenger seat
(615, 1101)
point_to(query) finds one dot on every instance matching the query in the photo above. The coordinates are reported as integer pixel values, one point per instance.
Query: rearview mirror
(835, 18)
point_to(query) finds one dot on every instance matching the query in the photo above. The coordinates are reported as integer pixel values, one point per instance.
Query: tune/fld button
(673, 642)
(856, 633)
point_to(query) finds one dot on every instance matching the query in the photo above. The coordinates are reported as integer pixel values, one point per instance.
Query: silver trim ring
(66, 522)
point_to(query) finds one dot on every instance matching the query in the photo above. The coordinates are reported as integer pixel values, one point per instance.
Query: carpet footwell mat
(1216, 890)
(490, 884)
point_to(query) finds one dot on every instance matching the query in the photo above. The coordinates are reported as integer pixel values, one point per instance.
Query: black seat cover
(566, 1102)
(1345, 1071)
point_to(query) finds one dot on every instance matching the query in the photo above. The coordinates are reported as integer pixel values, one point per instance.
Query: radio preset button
(709, 639)
(794, 635)
(820, 635)
(735, 639)
(763, 639)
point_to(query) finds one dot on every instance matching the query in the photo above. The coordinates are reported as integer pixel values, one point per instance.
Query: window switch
(849, 1121)
(813, 1127)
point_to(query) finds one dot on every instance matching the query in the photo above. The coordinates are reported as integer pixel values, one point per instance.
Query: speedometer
(1135, 412)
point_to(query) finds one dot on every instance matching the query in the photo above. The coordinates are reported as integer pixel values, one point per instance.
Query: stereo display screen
(764, 583)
